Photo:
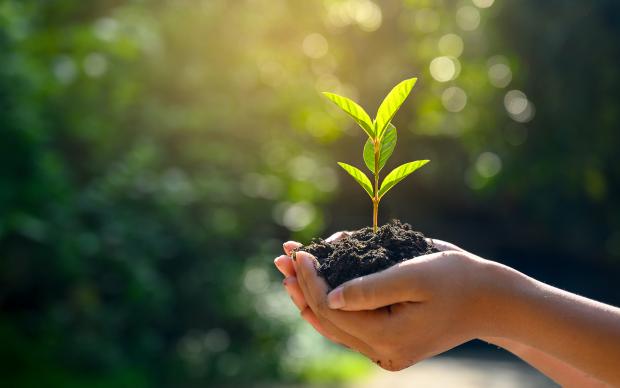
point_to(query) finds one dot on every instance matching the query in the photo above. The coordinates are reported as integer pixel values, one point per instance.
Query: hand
(432, 303)
(413, 310)
(439, 289)
(286, 266)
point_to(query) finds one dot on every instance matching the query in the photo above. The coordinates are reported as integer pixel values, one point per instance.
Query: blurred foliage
(153, 156)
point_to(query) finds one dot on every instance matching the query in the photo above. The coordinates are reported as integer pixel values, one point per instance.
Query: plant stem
(375, 213)
(375, 200)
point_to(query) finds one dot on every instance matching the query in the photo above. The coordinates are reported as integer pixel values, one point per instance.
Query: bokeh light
(315, 46)
(488, 164)
(454, 99)
(95, 65)
(106, 29)
(483, 3)
(518, 106)
(468, 18)
(499, 71)
(451, 45)
(427, 20)
(364, 13)
(444, 69)
(64, 69)
(294, 216)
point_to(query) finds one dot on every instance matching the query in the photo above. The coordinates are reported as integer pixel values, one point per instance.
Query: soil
(363, 252)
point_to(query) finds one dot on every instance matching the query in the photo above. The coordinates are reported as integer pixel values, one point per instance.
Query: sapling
(380, 143)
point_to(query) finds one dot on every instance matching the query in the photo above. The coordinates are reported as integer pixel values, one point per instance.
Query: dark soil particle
(364, 252)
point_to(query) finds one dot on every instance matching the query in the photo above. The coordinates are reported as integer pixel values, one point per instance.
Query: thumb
(393, 285)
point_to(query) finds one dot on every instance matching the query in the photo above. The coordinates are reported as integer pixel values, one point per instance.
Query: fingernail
(289, 246)
(277, 261)
(335, 299)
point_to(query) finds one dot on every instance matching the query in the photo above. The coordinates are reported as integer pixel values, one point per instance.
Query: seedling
(380, 143)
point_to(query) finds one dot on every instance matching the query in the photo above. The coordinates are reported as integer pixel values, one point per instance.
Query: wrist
(501, 298)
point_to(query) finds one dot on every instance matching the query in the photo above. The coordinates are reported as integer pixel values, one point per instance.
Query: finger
(289, 246)
(294, 291)
(308, 315)
(444, 245)
(338, 236)
(359, 324)
(396, 284)
(345, 338)
(292, 288)
(285, 265)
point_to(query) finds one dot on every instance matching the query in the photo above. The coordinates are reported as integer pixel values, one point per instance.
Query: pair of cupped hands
(402, 315)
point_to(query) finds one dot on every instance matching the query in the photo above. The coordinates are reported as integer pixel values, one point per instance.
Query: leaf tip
(421, 162)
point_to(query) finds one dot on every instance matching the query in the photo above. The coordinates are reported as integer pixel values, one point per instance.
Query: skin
(425, 306)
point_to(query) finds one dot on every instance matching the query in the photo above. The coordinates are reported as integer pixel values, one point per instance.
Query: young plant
(380, 143)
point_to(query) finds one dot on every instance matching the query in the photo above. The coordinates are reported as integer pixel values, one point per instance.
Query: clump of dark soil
(364, 252)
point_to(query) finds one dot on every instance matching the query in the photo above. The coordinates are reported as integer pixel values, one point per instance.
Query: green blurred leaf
(398, 174)
(388, 142)
(359, 176)
(354, 110)
(391, 104)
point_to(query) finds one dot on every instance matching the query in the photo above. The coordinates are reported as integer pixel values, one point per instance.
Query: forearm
(559, 371)
(572, 329)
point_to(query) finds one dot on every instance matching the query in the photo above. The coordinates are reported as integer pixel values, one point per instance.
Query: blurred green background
(155, 154)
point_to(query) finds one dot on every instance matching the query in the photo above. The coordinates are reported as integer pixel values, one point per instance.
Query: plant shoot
(380, 143)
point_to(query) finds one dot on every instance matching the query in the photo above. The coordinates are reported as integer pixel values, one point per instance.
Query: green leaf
(398, 174)
(388, 142)
(359, 176)
(354, 110)
(391, 104)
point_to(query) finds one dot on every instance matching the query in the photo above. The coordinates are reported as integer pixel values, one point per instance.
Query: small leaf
(388, 142)
(398, 174)
(359, 176)
(391, 104)
(354, 110)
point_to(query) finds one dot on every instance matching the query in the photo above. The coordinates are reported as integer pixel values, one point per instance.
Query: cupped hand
(399, 316)
(288, 268)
